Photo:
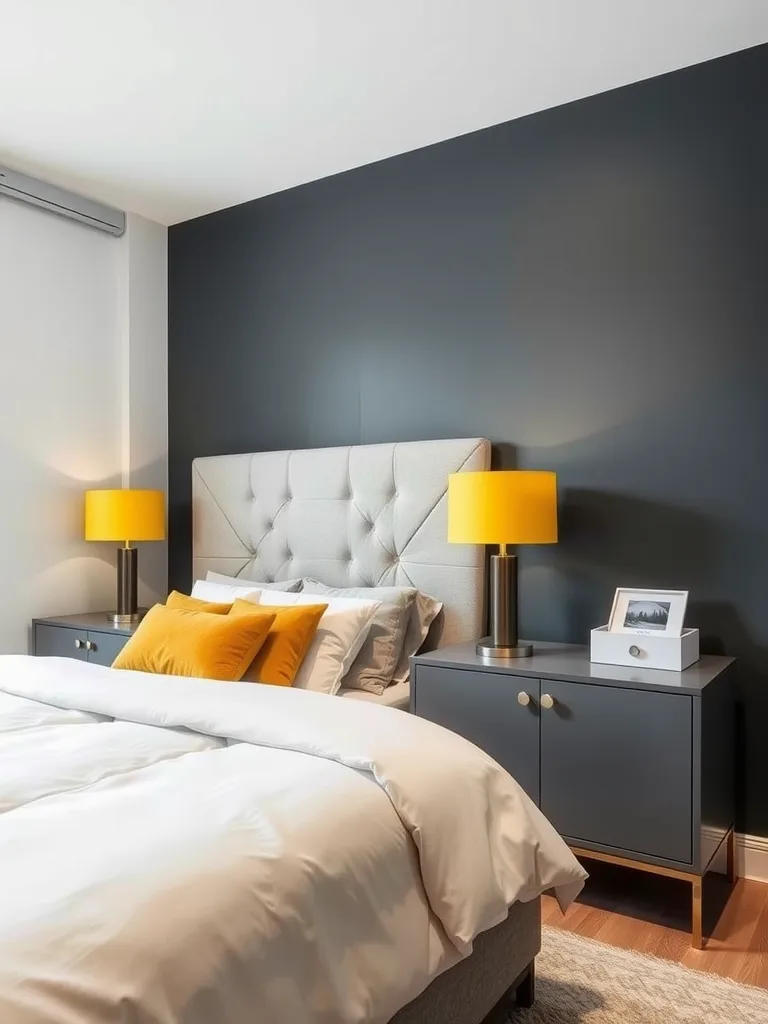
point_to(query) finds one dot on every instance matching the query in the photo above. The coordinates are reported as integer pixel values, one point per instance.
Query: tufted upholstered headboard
(366, 515)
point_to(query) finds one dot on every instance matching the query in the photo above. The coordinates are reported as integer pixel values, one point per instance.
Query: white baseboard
(752, 857)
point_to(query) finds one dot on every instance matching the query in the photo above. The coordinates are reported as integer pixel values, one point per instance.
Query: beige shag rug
(579, 981)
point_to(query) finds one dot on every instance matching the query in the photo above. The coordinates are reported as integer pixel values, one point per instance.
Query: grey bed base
(488, 984)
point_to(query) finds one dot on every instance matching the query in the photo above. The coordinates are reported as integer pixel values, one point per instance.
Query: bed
(230, 852)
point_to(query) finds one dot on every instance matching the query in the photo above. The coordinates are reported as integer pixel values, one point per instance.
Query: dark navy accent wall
(588, 287)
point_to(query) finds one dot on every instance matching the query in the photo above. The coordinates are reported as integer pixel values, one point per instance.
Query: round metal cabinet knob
(90, 645)
(634, 650)
(547, 700)
(79, 644)
(523, 698)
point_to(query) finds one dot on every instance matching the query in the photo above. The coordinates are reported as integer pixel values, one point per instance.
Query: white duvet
(177, 851)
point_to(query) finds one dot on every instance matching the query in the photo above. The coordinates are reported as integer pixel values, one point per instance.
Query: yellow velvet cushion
(178, 642)
(194, 604)
(289, 639)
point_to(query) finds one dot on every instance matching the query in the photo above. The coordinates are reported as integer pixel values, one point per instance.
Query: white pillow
(241, 581)
(225, 593)
(340, 635)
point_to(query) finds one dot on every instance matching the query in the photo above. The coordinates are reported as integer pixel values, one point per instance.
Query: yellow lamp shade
(124, 515)
(503, 507)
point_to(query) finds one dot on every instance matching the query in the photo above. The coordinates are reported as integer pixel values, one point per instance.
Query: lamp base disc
(487, 650)
(126, 620)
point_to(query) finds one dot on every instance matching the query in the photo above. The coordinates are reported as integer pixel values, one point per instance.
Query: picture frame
(648, 612)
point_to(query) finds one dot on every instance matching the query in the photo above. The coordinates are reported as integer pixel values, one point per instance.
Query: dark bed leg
(526, 988)
(519, 996)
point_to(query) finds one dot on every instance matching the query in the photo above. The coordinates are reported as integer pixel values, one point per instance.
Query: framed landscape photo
(648, 611)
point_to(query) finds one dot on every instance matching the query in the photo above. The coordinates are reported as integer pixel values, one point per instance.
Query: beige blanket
(186, 852)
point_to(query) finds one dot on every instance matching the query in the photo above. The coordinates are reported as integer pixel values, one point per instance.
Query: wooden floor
(650, 914)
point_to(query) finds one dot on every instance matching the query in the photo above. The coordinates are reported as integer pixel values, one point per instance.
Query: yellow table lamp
(503, 507)
(125, 515)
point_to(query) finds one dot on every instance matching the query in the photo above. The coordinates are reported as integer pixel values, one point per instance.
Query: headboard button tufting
(245, 508)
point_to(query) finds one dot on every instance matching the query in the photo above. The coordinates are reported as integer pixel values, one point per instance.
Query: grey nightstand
(632, 766)
(89, 637)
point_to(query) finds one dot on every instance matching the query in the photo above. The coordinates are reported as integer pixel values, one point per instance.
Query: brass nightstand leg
(696, 882)
(697, 934)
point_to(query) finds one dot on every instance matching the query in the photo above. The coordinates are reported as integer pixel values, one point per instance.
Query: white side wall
(144, 305)
(69, 313)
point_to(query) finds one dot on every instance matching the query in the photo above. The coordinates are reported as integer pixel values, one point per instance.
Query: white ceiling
(174, 108)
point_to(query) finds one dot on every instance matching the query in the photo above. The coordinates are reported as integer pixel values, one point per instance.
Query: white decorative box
(672, 653)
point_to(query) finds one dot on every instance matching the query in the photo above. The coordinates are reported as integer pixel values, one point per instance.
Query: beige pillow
(424, 611)
(398, 630)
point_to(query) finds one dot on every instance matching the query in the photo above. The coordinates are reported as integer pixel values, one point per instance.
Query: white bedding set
(177, 851)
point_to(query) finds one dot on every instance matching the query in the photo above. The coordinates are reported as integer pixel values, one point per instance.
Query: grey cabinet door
(105, 647)
(483, 707)
(616, 768)
(60, 642)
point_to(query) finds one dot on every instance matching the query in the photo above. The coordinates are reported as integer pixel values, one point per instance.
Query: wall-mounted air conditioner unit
(58, 200)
